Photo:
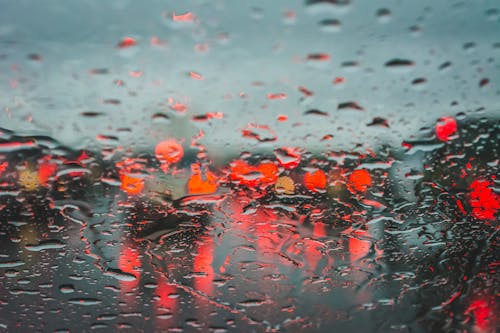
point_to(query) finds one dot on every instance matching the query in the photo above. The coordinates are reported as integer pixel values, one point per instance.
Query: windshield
(256, 166)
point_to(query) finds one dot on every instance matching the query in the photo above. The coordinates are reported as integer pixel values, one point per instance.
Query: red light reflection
(129, 262)
(202, 266)
(483, 315)
(485, 203)
(166, 296)
(358, 248)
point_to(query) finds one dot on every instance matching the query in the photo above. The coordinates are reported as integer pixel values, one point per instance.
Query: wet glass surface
(226, 166)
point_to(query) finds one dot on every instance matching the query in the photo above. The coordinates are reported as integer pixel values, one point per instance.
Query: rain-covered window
(249, 166)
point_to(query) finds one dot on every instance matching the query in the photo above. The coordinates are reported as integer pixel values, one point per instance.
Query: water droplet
(383, 15)
(469, 46)
(445, 65)
(11, 264)
(127, 42)
(34, 57)
(318, 57)
(261, 133)
(445, 128)
(92, 114)
(492, 14)
(379, 121)
(419, 81)
(287, 157)
(160, 118)
(350, 105)
(185, 17)
(306, 92)
(338, 80)
(316, 112)
(120, 275)
(99, 71)
(322, 6)
(398, 62)
(277, 96)
(67, 288)
(50, 244)
(330, 25)
(484, 82)
(253, 302)
(112, 101)
(84, 301)
(196, 76)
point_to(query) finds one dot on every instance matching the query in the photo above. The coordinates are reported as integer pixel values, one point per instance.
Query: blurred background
(249, 166)
(141, 71)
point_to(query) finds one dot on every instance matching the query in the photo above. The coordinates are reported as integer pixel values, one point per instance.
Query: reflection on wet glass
(308, 166)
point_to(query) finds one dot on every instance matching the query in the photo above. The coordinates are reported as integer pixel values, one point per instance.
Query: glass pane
(295, 166)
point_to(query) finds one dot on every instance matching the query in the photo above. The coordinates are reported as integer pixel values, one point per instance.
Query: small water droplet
(379, 121)
(50, 244)
(398, 62)
(84, 301)
(318, 57)
(350, 105)
(444, 65)
(316, 112)
(120, 275)
(67, 288)
(484, 82)
(92, 114)
(330, 25)
(384, 15)
(261, 133)
(127, 42)
(419, 81)
(10, 264)
(34, 57)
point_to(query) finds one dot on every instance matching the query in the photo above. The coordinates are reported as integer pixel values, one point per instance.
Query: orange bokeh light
(315, 180)
(169, 151)
(359, 181)
(202, 184)
(132, 185)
